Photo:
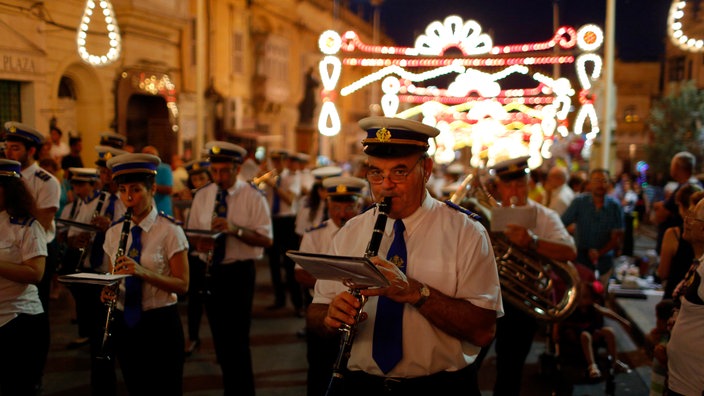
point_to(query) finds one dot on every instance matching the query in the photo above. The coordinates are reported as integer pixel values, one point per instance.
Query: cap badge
(341, 189)
(108, 155)
(196, 166)
(215, 150)
(13, 129)
(383, 135)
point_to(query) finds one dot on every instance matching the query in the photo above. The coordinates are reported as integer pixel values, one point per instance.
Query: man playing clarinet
(422, 332)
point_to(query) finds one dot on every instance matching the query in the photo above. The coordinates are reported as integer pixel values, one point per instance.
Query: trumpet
(349, 331)
(272, 174)
(121, 249)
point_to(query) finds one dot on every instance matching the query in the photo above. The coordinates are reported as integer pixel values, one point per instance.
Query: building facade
(254, 57)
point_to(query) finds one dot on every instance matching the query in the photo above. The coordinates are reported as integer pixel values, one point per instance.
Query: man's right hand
(342, 309)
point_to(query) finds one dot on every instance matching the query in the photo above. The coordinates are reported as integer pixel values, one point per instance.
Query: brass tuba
(529, 281)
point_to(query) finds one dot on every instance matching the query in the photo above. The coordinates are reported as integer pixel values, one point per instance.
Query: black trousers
(515, 332)
(151, 354)
(24, 342)
(360, 383)
(229, 310)
(197, 293)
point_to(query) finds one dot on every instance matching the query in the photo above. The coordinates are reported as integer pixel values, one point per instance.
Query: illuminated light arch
(473, 110)
(674, 29)
(113, 33)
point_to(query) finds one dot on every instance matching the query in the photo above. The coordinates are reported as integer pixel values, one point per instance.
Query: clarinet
(205, 290)
(349, 331)
(121, 249)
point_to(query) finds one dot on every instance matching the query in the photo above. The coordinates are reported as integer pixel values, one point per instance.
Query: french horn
(544, 288)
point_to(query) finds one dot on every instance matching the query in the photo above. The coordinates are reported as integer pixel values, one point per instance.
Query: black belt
(465, 378)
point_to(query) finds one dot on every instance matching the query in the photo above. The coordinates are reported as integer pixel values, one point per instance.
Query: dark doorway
(148, 125)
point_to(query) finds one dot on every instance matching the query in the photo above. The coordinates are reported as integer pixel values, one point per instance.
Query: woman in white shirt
(24, 326)
(148, 338)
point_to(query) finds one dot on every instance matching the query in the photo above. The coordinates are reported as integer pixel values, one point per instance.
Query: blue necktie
(387, 347)
(276, 201)
(133, 284)
(220, 211)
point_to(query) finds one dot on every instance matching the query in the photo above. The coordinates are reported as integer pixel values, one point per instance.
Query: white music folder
(353, 272)
(526, 216)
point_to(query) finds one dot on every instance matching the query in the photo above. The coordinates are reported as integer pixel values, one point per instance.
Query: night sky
(640, 24)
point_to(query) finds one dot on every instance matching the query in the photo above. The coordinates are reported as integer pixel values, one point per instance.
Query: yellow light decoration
(329, 122)
(677, 36)
(114, 38)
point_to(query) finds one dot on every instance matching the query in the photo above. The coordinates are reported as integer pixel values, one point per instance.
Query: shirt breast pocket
(8, 251)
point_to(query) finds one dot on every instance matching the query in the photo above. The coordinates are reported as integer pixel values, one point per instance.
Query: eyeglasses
(397, 175)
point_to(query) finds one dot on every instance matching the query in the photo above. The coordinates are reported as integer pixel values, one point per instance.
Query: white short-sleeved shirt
(303, 221)
(246, 207)
(448, 251)
(161, 239)
(685, 350)
(549, 226)
(46, 190)
(19, 241)
(319, 238)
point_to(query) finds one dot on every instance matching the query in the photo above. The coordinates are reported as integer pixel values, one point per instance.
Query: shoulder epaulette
(317, 227)
(169, 217)
(23, 221)
(96, 194)
(466, 211)
(42, 174)
(195, 190)
(254, 186)
(120, 220)
(368, 207)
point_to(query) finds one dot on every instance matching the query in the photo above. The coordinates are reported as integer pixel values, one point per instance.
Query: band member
(147, 337)
(282, 191)
(343, 202)
(549, 238)
(24, 326)
(23, 144)
(422, 332)
(238, 210)
(198, 176)
(84, 183)
(313, 207)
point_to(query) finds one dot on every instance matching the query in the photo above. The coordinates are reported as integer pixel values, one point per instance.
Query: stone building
(254, 55)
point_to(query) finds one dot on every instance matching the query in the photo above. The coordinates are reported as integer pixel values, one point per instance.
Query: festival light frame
(474, 110)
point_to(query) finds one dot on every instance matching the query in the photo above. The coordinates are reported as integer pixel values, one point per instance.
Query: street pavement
(279, 355)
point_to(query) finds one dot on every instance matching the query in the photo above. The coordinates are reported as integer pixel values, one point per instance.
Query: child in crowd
(585, 326)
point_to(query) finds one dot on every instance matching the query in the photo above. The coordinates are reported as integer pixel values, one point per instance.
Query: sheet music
(190, 232)
(91, 278)
(65, 223)
(526, 216)
(354, 272)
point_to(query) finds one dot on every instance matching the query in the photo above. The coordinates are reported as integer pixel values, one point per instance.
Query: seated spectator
(585, 327)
